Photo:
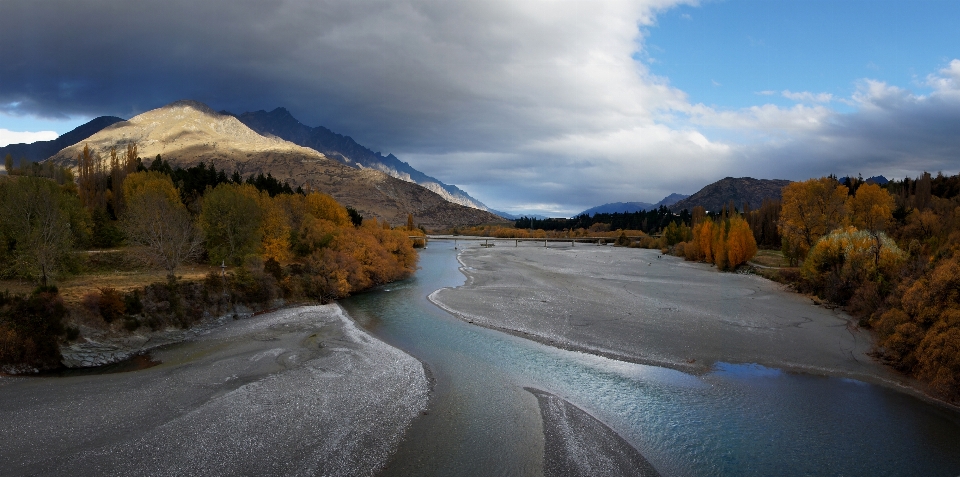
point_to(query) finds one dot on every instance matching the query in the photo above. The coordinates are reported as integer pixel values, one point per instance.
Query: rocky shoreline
(103, 349)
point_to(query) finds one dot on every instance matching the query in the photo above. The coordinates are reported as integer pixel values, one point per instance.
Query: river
(734, 420)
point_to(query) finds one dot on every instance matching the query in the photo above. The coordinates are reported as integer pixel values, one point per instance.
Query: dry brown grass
(73, 288)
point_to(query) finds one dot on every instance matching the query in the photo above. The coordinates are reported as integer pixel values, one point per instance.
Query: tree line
(890, 253)
(648, 221)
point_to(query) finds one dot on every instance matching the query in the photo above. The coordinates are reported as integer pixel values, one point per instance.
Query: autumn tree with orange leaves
(810, 210)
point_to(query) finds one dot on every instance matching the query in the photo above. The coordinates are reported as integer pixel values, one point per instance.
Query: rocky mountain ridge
(280, 123)
(186, 133)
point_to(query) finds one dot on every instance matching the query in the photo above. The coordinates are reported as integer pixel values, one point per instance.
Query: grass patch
(770, 258)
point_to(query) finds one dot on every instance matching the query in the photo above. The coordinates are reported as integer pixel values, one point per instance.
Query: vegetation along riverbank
(263, 243)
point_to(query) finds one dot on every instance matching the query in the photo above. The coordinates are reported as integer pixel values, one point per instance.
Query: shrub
(111, 304)
(623, 240)
(133, 302)
(30, 328)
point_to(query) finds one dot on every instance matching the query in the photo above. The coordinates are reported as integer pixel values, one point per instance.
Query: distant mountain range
(41, 150)
(631, 207)
(879, 180)
(280, 123)
(188, 132)
(742, 190)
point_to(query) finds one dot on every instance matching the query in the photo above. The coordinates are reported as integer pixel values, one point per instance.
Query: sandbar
(300, 391)
(640, 306)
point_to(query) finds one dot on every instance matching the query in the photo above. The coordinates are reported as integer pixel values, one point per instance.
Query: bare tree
(164, 229)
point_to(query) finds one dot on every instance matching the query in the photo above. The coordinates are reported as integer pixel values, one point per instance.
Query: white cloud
(807, 97)
(15, 137)
(947, 82)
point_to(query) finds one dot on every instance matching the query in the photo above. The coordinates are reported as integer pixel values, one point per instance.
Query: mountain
(739, 190)
(280, 123)
(630, 207)
(618, 207)
(671, 199)
(41, 150)
(187, 132)
(879, 180)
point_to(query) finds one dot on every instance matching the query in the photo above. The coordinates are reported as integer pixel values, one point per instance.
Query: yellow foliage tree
(810, 210)
(841, 261)
(741, 245)
(155, 182)
(871, 208)
(322, 206)
(275, 229)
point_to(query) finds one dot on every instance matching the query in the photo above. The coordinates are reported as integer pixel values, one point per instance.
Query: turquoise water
(736, 420)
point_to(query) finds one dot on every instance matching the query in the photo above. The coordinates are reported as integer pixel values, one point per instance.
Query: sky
(546, 107)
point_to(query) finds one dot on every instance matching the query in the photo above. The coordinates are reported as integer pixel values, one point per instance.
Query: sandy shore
(293, 392)
(632, 304)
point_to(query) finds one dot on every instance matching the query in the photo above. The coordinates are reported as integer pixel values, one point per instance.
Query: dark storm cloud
(426, 74)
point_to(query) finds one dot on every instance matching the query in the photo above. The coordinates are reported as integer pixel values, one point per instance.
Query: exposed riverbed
(300, 391)
(716, 419)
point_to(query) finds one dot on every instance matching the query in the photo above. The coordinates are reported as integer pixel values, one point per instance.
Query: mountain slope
(187, 132)
(739, 190)
(618, 207)
(41, 150)
(282, 124)
(631, 207)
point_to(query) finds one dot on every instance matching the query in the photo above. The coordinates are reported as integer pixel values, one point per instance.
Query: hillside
(630, 207)
(41, 150)
(187, 132)
(282, 124)
(739, 190)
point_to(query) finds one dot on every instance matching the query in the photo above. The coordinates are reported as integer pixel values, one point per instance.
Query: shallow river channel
(735, 420)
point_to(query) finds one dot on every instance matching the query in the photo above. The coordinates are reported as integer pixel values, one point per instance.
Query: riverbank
(296, 391)
(636, 305)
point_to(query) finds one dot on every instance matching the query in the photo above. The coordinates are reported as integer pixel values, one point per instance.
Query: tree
(871, 209)
(741, 246)
(409, 222)
(155, 219)
(8, 164)
(231, 219)
(36, 219)
(120, 168)
(810, 210)
(275, 229)
(323, 206)
(843, 260)
(355, 216)
(91, 179)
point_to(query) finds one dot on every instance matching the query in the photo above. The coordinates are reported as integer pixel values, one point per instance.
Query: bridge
(491, 241)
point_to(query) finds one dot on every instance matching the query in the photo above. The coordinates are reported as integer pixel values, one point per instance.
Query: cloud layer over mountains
(529, 106)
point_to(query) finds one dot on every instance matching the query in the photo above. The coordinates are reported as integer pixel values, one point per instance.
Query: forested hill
(40, 150)
(741, 190)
